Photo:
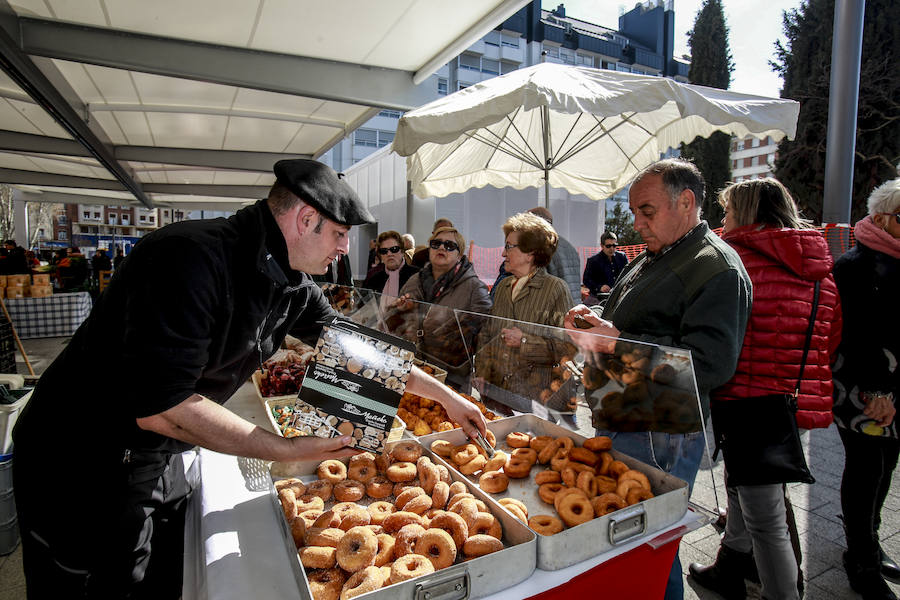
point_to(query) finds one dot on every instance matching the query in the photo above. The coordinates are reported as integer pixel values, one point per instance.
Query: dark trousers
(116, 532)
(868, 466)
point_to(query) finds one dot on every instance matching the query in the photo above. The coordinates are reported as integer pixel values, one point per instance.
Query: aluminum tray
(473, 578)
(575, 544)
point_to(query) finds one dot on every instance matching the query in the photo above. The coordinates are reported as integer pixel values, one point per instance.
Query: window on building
(747, 162)
(391, 114)
(98, 215)
(470, 61)
(507, 67)
(152, 219)
(366, 137)
(584, 59)
(112, 220)
(385, 138)
(442, 86)
(143, 218)
(490, 66)
(740, 145)
(63, 235)
(62, 219)
(492, 38)
(165, 213)
(552, 51)
(734, 164)
(605, 64)
(461, 85)
(623, 68)
(510, 40)
(87, 214)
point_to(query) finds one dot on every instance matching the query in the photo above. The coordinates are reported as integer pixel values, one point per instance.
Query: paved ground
(817, 508)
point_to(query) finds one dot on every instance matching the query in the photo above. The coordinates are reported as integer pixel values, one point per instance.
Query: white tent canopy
(589, 130)
(174, 101)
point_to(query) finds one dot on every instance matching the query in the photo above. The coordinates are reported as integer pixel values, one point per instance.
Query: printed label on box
(354, 384)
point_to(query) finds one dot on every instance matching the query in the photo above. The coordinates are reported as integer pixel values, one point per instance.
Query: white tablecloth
(235, 550)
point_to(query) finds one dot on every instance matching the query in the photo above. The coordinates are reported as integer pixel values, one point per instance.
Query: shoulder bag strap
(809, 332)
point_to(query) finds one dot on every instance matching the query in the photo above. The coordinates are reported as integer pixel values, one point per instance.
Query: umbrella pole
(545, 111)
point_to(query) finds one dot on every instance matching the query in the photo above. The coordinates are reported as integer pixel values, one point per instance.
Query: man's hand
(511, 337)
(588, 338)
(314, 448)
(880, 409)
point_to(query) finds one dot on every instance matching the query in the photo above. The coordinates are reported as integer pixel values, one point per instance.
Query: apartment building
(752, 158)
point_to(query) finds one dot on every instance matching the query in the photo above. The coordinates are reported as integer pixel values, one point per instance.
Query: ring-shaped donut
(637, 476)
(442, 448)
(439, 495)
(545, 524)
(320, 488)
(406, 538)
(406, 495)
(331, 471)
(480, 545)
(317, 557)
(410, 566)
(385, 549)
(518, 439)
(362, 582)
(406, 452)
(453, 524)
(437, 546)
(586, 484)
(463, 453)
(575, 510)
(636, 495)
(401, 472)
(379, 511)
(326, 583)
(607, 503)
(493, 482)
(548, 491)
(357, 549)
(394, 521)
(601, 443)
(486, 524)
(548, 476)
(349, 490)
(605, 460)
(379, 487)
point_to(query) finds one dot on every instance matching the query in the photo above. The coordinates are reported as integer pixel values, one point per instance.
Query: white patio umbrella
(586, 130)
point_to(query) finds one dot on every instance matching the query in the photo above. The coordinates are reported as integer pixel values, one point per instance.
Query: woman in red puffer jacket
(784, 260)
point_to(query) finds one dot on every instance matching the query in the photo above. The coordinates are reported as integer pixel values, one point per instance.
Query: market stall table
(58, 315)
(234, 550)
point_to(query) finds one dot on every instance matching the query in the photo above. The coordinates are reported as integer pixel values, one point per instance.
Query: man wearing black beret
(188, 316)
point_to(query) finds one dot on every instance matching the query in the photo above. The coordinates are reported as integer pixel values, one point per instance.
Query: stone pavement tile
(828, 479)
(708, 545)
(810, 497)
(831, 511)
(830, 585)
(813, 567)
(699, 534)
(828, 529)
(819, 548)
(704, 496)
(892, 502)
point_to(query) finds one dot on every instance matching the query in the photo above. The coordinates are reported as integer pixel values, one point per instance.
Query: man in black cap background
(194, 310)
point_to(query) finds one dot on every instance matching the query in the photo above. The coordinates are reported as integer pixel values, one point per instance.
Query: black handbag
(759, 437)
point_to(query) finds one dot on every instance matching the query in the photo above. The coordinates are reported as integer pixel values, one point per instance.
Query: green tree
(620, 222)
(804, 62)
(711, 65)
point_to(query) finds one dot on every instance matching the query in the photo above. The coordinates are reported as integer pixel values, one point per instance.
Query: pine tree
(620, 222)
(711, 65)
(804, 62)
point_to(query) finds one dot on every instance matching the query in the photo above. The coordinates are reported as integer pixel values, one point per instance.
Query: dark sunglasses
(449, 245)
(392, 250)
(610, 245)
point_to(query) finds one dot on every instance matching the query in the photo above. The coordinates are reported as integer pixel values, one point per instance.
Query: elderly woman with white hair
(867, 382)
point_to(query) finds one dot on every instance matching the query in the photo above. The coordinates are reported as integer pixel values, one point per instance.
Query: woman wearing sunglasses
(867, 382)
(448, 281)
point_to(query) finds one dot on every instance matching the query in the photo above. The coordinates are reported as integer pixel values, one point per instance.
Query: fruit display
(282, 375)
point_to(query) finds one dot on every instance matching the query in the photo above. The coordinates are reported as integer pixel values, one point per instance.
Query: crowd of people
(763, 310)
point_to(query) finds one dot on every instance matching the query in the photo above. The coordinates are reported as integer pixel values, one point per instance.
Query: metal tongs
(483, 443)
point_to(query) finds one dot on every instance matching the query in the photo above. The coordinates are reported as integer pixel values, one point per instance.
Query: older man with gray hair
(688, 290)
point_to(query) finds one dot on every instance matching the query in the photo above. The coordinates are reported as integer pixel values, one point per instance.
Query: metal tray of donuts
(467, 577)
(598, 535)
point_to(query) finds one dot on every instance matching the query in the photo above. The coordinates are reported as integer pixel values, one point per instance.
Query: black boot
(889, 568)
(726, 575)
(867, 580)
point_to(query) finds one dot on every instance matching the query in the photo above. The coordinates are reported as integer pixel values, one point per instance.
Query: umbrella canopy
(586, 130)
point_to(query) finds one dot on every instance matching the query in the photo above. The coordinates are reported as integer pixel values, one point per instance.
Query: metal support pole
(843, 98)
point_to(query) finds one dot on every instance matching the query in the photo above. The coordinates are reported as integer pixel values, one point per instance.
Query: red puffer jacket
(783, 265)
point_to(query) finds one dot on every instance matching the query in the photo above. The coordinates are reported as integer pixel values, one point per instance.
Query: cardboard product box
(41, 291)
(2, 281)
(40, 279)
(354, 384)
(15, 292)
(12, 280)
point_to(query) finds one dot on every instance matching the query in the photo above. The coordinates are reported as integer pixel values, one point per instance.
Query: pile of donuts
(397, 516)
(581, 483)
(424, 416)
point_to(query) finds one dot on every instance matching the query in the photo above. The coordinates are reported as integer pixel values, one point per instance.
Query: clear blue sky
(753, 29)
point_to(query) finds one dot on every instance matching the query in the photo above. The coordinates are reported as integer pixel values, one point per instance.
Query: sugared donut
(453, 524)
(479, 545)
(401, 471)
(584, 456)
(637, 476)
(437, 546)
(355, 518)
(332, 471)
(309, 517)
(517, 503)
(457, 487)
(326, 584)
(617, 468)
(402, 485)
(493, 482)
(442, 448)
(293, 483)
(473, 466)
(289, 504)
(575, 509)
(367, 457)
(362, 582)
(349, 490)
(379, 511)
(317, 557)
(601, 443)
(428, 474)
(406, 452)
(357, 549)
(393, 522)
(382, 462)
(440, 494)
(517, 439)
(457, 497)
(548, 476)
(463, 453)
(406, 495)
(362, 470)
(517, 468)
(548, 491)
(444, 474)
(330, 536)
(406, 538)
(320, 488)
(607, 503)
(467, 509)
(379, 487)
(310, 502)
(545, 524)
(298, 532)
(636, 495)
(486, 524)
(329, 518)
(410, 566)
(385, 549)
(418, 504)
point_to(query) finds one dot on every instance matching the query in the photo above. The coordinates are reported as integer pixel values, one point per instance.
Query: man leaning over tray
(191, 312)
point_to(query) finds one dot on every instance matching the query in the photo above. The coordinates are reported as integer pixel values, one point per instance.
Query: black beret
(321, 187)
